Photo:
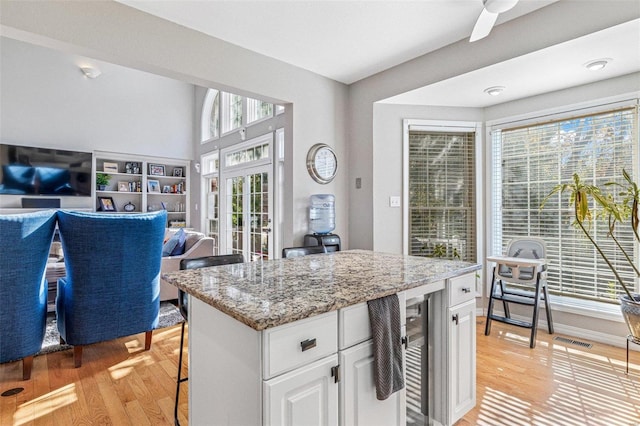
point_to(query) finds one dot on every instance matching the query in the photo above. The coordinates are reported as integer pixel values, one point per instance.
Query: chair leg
(548, 308)
(505, 304)
(534, 319)
(487, 327)
(180, 379)
(77, 356)
(147, 340)
(27, 365)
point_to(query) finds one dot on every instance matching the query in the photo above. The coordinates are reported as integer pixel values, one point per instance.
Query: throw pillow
(179, 248)
(172, 243)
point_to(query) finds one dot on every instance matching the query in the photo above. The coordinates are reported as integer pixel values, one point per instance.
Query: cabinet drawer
(354, 324)
(292, 345)
(462, 289)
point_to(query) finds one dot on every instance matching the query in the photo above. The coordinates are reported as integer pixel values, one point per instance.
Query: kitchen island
(268, 341)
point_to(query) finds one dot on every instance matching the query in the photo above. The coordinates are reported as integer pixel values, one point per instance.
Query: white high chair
(524, 267)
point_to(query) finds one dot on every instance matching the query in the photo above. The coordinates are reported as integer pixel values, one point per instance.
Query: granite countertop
(275, 292)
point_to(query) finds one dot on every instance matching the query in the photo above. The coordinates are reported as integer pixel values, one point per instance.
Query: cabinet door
(305, 396)
(462, 360)
(358, 402)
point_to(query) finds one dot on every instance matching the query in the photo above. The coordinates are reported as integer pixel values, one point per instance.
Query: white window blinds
(442, 194)
(529, 161)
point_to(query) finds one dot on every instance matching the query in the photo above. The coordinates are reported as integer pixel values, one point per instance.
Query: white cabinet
(139, 184)
(305, 396)
(359, 405)
(461, 347)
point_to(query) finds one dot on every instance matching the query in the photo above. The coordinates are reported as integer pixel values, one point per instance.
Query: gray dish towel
(384, 316)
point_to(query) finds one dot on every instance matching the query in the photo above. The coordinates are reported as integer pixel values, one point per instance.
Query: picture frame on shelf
(110, 167)
(178, 172)
(166, 189)
(156, 170)
(107, 204)
(153, 185)
(123, 187)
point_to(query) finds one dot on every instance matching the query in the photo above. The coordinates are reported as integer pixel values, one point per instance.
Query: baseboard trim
(576, 332)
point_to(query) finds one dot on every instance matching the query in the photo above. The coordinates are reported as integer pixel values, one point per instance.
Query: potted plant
(102, 180)
(613, 211)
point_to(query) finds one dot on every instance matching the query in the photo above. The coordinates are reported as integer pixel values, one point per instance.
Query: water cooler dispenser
(322, 220)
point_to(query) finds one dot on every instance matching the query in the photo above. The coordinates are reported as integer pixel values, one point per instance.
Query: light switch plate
(394, 201)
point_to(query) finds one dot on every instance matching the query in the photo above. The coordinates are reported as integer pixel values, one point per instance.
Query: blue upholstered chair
(112, 287)
(26, 239)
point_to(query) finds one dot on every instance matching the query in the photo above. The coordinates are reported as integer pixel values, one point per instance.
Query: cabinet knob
(308, 344)
(466, 290)
(455, 319)
(335, 373)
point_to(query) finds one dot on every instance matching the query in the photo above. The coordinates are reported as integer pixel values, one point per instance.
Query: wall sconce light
(243, 133)
(91, 72)
(197, 166)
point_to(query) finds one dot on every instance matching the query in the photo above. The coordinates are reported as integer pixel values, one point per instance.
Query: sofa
(196, 244)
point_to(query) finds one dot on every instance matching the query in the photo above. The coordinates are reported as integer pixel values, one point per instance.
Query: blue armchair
(26, 239)
(112, 287)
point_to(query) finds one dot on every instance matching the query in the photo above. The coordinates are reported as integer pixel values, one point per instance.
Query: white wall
(388, 157)
(115, 33)
(47, 102)
(545, 27)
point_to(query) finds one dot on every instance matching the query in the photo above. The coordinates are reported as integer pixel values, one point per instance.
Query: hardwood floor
(120, 384)
(554, 384)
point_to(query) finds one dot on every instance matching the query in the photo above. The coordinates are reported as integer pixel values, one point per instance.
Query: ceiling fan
(488, 16)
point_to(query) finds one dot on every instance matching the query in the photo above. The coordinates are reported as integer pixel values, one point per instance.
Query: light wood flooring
(120, 384)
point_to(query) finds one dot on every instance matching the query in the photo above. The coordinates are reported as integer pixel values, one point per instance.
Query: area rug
(169, 315)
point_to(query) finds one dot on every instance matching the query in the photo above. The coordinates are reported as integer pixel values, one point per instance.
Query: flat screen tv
(27, 170)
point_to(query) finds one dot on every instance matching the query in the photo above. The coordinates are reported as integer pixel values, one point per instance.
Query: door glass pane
(212, 212)
(260, 224)
(235, 214)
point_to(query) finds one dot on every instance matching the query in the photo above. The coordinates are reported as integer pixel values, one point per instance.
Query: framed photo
(156, 169)
(123, 186)
(110, 167)
(153, 185)
(107, 204)
(166, 189)
(177, 171)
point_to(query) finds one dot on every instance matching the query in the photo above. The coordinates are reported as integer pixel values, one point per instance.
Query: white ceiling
(351, 40)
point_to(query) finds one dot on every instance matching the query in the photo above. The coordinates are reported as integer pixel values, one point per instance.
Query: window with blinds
(529, 161)
(442, 194)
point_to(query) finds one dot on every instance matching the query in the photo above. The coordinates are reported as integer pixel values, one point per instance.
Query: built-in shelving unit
(141, 184)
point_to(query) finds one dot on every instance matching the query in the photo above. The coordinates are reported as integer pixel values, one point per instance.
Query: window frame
(566, 303)
(446, 126)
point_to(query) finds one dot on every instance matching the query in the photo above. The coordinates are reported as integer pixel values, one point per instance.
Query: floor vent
(573, 342)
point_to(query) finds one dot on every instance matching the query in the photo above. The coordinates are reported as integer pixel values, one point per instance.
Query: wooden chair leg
(27, 364)
(147, 340)
(77, 356)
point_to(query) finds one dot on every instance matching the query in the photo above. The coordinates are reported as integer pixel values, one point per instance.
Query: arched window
(210, 121)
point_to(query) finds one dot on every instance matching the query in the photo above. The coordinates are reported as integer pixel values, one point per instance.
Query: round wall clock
(129, 207)
(322, 163)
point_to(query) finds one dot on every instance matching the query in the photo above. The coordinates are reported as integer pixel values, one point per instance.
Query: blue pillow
(175, 245)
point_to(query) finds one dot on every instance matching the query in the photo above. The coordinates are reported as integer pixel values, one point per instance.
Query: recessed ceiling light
(494, 91)
(598, 64)
(91, 72)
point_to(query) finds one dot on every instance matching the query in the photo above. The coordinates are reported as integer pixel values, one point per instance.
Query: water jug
(322, 213)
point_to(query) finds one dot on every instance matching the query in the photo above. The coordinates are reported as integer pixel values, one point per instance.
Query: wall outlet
(394, 201)
(358, 183)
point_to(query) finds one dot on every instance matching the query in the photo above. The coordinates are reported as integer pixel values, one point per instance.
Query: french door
(247, 213)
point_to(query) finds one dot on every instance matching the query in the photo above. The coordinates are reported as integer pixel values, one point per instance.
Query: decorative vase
(101, 187)
(631, 313)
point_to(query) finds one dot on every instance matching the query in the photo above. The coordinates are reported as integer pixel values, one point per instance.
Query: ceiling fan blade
(483, 26)
(499, 6)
